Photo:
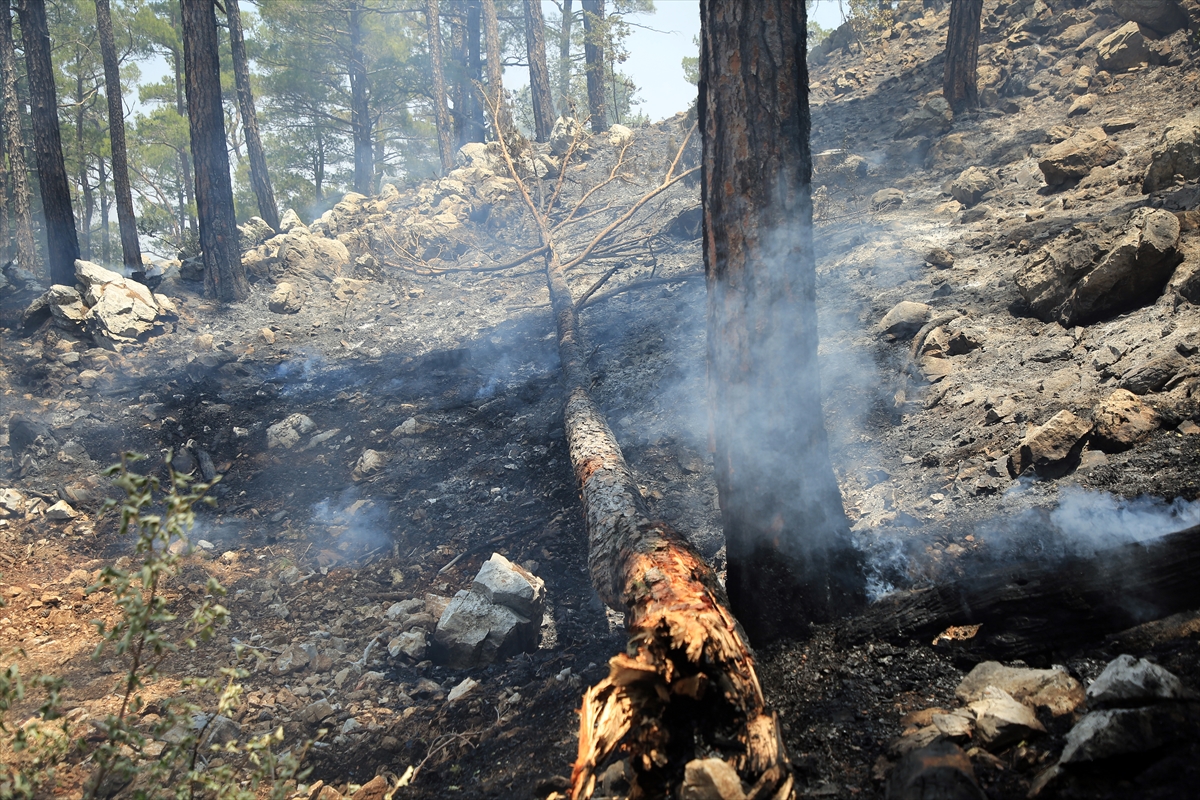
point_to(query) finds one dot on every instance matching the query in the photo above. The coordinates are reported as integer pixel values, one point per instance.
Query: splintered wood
(686, 687)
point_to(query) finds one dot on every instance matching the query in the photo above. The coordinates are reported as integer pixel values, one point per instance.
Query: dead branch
(643, 284)
(687, 658)
(582, 301)
(584, 198)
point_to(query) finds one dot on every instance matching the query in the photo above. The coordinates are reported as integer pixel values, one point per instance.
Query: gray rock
(971, 185)
(61, 512)
(410, 644)
(1163, 16)
(1121, 731)
(932, 119)
(1177, 152)
(1000, 720)
(1154, 374)
(507, 584)
(316, 713)
(565, 130)
(286, 299)
(710, 779)
(473, 632)
(253, 233)
(1128, 681)
(1079, 155)
(287, 433)
(1053, 688)
(1051, 448)
(290, 221)
(1083, 105)
(886, 198)
(1124, 49)
(939, 257)
(292, 658)
(905, 319)
(124, 311)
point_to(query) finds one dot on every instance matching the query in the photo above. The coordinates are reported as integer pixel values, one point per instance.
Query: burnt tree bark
(1036, 607)
(188, 196)
(224, 274)
(18, 175)
(564, 58)
(360, 118)
(593, 58)
(539, 74)
(260, 177)
(789, 553)
(441, 113)
(62, 242)
(959, 82)
(473, 130)
(131, 249)
(460, 89)
(495, 66)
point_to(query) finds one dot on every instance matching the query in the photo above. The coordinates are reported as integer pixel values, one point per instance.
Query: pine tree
(17, 173)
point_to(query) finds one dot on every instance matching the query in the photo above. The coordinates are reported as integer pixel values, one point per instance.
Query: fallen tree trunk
(1034, 607)
(687, 676)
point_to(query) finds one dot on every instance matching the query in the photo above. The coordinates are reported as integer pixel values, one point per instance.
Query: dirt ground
(448, 369)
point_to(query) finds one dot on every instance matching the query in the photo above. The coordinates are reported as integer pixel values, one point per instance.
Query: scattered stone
(565, 131)
(1177, 152)
(1117, 124)
(1120, 731)
(939, 257)
(619, 135)
(940, 770)
(905, 319)
(1079, 155)
(461, 690)
(410, 644)
(473, 631)
(1053, 688)
(287, 433)
(12, 503)
(1124, 49)
(1129, 681)
(253, 233)
(1083, 105)
(286, 299)
(1122, 420)
(1154, 374)
(1000, 720)
(1162, 16)
(411, 427)
(290, 221)
(886, 198)
(932, 119)
(293, 657)
(318, 712)
(710, 779)
(507, 584)
(61, 512)
(267, 335)
(971, 185)
(1052, 448)
(958, 724)
(370, 461)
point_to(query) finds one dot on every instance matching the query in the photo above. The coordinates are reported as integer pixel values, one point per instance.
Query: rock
(507, 584)
(905, 319)
(410, 644)
(1120, 731)
(1087, 275)
(1052, 448)
(311, 256)
(253, 233)
(971, 185)
(1177, 152)
(1053, 688)
(286, 299)
(316, 713)
(124, 312)
(292, 658)
(370, 461)
(287, 433)
(479, 155)
(473, 631)
(1122, 420)
(1129, 681)
(932, 119)
(1124, 49)
(219, 729)
(94, 278)
(1162, 16)
(958, 724)
(1079, 155)
(12, 503)
(939, 771)
(374, 789)
(1000, 720)
(1154, 374)
(565, 131)
(710, 779)
(461, 690)
(290, 221)
(886, 198)
(1083, 105)
(61, 512)
(939, 257)
(619, 135)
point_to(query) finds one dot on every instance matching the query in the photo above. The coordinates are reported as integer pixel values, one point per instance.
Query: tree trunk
(594, 23)
(185, 166)
(564, 58)
(686, 687)
(440, 112)
(62, 242)
(790, 559)
(539, 74)
(5, 233)
(1032, 608)
(106, 238)
(260, 178)
(495, 66)
(360, 120)
(130, 248)
(18, 174)
(959, 85)
(474, 130)
(458, 57)
(85, 211)
(224, 275)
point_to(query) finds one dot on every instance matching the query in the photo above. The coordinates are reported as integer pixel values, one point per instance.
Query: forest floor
(446, 369)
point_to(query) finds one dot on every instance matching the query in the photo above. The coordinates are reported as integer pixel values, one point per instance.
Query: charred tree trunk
(564, 58)
(495, 66)
(458, 57)
(959, 84)
(474, 129)
(787, 538)
(18, 175)
(62, 241)
(594, 24)
(185, 166)
(1031, 608)
(260, 177)
(106, 237)
(224, 275)
(441, 113)
(539, 74)
(130, 248)
(85, 189)
(360, 119)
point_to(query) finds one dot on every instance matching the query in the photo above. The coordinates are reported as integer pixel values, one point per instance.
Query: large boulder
(1079, 155)
(1052, 448)
(1092, 273)
(311, 256)
(1123, 420)
(1162, 16)
(971, 185)
(499, 616)
(565, 131)
(1177, 152)
(253, 233)
(1123, 49)
(1053, 688)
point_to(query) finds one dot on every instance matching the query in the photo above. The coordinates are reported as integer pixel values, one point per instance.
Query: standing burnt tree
(539, 74)
(495, 65)
(26, 250)
(790, 559)
(131, 249)
(360, 118)
(959, 83)
(593, 57)
(440, 112)
(260, 179)
(224, 275)
(62, 242)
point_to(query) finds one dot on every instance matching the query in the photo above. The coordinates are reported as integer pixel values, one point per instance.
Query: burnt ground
(448, 367)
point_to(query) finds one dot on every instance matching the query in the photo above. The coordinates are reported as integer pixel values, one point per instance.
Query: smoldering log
(1032, 608)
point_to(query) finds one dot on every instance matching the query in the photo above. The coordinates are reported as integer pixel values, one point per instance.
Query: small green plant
(175, 756)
